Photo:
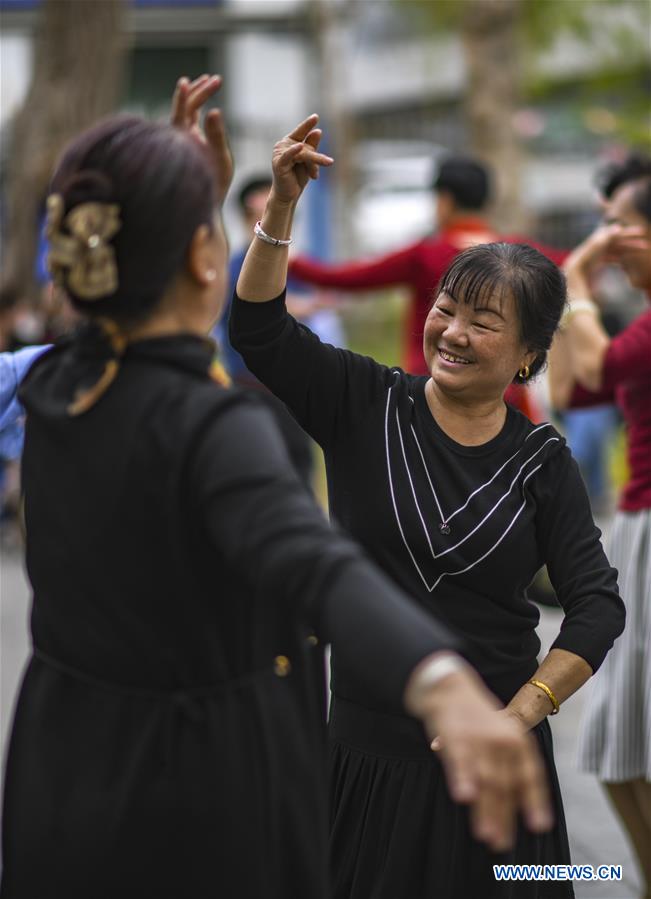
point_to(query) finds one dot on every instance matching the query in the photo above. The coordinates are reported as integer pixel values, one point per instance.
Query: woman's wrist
(529, 706)
(522, 718)
(576, 306)
(278, 217)
(279, 202)
(434, 681)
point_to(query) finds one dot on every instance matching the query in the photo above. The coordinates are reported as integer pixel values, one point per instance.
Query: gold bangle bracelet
(549, 694)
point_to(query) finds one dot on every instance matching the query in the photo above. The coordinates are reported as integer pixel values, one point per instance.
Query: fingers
(178, 102)
(199, 92)
(301, 131)
(309, 156)
(299, 153)
(493, 815)
(313, 139)
(485, 782)
(459, 764)
(189, 97)
(220, 151)
(498, 782)
(534, 793)
(216, 130)
(630, 238)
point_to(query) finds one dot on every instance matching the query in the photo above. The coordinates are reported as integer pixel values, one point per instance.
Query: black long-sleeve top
(168, 727)
(463, 529)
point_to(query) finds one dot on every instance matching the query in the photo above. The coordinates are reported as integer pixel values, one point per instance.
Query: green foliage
(543, 21)
(615, 32)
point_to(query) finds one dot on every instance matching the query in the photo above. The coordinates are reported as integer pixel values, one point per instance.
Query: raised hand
(606, 244)
(187, 105)
(295, 160)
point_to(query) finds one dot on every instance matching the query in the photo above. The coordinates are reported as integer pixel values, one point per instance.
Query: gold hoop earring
(524, 372)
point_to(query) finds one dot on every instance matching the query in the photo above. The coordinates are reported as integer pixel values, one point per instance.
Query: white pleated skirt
(615, 737)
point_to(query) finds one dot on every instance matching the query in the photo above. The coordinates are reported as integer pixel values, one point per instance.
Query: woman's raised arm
(585, 340)
(295, 161)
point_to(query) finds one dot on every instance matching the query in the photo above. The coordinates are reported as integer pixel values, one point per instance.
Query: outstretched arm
(393, 268)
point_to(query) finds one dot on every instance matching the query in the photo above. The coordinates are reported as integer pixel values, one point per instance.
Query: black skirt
(117, 793)
(397, 834)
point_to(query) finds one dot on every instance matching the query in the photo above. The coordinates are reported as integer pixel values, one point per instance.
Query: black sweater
(160, 741)
(462, 529)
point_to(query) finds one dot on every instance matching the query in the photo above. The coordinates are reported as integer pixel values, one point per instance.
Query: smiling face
(474, 351)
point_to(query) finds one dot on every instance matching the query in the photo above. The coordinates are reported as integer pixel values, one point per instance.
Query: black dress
(463, 529)
(167, 740)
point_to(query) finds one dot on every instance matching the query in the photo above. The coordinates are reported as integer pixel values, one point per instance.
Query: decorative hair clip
(85, 253)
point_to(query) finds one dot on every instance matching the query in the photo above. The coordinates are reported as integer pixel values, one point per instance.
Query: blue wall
(8, 5)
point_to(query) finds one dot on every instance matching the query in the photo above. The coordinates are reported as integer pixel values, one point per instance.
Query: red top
(419, 266)
(627, 382)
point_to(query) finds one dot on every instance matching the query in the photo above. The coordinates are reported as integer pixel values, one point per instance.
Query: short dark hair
(162, 182)
(636, 166)
(252, 186)
(535, 282)
(465, 179)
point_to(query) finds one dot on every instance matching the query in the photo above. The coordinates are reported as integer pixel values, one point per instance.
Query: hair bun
(87, 185)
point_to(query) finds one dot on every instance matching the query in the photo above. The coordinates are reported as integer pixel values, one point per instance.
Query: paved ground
(595, 835)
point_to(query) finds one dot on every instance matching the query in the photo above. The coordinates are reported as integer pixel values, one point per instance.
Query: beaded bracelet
(574, 306)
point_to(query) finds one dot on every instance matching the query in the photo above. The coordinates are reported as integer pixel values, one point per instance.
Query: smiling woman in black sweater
(460, 499)
(167, 739)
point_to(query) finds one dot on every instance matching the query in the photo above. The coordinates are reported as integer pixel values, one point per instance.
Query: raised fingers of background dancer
(188, 102)
(490, 762)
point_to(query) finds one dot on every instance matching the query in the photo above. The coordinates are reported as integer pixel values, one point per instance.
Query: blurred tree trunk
(491, 38)
(79, 50)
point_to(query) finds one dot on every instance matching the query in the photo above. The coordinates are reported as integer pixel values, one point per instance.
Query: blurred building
(389, 93)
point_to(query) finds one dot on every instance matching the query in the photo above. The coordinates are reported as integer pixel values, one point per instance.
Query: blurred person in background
(166, 742)
(588, 367)
(13, 368)
(459, 498)
(302, 302)
(590, 433)
(20, 326)
(251, 198)
(462, 192)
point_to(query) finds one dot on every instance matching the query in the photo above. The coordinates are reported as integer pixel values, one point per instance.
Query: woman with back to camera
(461, 500)
(167, 741)
(590, 368)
